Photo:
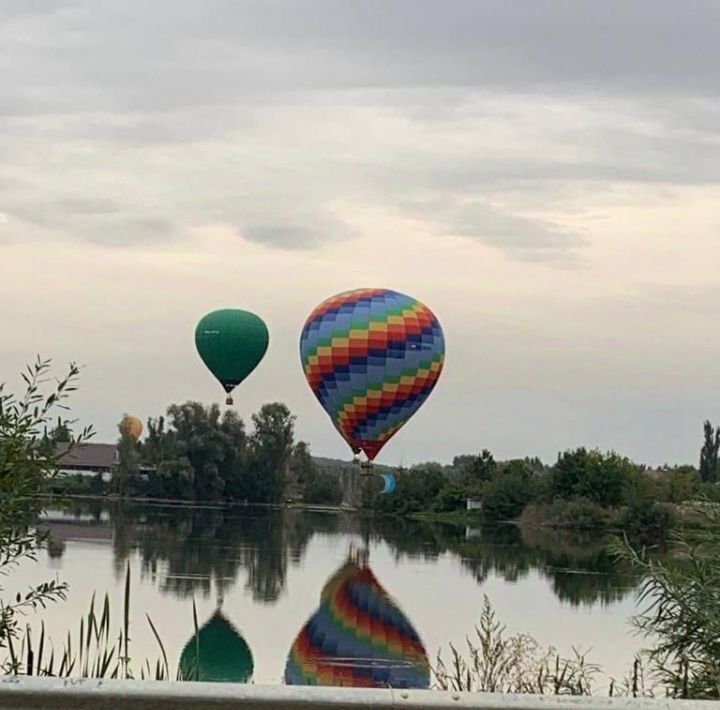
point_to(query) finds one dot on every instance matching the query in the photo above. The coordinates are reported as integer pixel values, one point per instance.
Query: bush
(28, 466)
(711, 491)
(323, 489)
(500, 663)
(598, 477)
(679, 484)
(452, 497)
(506, 497)
(646, 521)
(579, 513)
(680, 614)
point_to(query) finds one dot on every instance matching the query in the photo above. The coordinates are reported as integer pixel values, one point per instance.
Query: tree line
(197, 452)
(583, 489)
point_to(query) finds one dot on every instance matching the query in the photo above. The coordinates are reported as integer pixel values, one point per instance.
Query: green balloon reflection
(217, 653)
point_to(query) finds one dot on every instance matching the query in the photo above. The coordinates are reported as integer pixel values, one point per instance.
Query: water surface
(268, 568)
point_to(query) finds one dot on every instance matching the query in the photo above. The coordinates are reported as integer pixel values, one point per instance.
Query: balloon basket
(366, 468)
(229, 400)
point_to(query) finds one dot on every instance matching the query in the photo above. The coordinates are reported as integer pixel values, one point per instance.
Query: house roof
(88, 456)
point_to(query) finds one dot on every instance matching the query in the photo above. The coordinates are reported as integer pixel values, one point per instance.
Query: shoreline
(686, 516)
(180, 503)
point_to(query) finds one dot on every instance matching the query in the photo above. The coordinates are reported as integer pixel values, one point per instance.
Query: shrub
(452, 496)
(28, 465)
(498, 663)
(506, 497)
(598, 477)
(680, 614)
(646, 521)
(579, 513)
(323, 489)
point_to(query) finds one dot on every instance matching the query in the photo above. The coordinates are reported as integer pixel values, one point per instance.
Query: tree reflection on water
(185, 550)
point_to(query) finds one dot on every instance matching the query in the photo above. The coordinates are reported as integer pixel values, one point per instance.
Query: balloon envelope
(389, 483)
(371, 357)
(358, 637)
(132, 426)
(231, 343)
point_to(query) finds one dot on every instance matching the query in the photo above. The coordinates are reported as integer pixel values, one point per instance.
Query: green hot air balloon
(231, 343)
(224, 656)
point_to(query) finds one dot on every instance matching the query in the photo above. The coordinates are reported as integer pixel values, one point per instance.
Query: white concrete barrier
(22, 693)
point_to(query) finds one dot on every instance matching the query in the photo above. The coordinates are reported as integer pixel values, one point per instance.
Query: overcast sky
(543, 174)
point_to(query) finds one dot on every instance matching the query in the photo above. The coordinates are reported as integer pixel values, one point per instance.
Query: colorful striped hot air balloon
(358, 638)
(371, 357)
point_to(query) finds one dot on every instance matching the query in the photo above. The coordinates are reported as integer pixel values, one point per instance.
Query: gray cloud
(129, 232)
(519, 236)
(292, 235)
(100, 53)
(95, 221)
(287, 236)
(214, 112)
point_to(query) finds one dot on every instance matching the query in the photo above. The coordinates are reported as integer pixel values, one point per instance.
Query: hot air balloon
(224, 656)
(132, 426)
(390, 483)
(358, 638)
(231, 343)
(371, 357)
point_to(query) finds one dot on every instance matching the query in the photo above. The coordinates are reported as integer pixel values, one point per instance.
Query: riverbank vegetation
(197, 453)
(584, 489)
(677, 615)
(27, 467)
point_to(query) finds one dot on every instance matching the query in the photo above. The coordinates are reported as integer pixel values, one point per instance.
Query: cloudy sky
(545, 175)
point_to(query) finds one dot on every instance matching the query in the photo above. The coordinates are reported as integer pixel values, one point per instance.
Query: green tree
(474, 470)
(302, 468)
(515, 467)
(234, 465)
(159, 444)
(196, 453)
(197, 438)
(128, 464)
(200, 454)
(505, 497)
(271, 447)
(676, 485)
(26, 470)
(324, 489)
(451, 497)
(598, 477)
(176, 479)
(709, 466)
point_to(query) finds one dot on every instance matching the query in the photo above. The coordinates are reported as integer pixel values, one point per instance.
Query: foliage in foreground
(28, 463)
(98, 650)
(681, 609)
(498, 663)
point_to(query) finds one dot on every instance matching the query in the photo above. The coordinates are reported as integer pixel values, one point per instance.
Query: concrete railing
(22, 693)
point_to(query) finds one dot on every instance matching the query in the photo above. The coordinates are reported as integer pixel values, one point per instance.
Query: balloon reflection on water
(358, 637)
(217, 652)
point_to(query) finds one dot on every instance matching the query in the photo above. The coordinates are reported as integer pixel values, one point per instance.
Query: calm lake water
(270, 567)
